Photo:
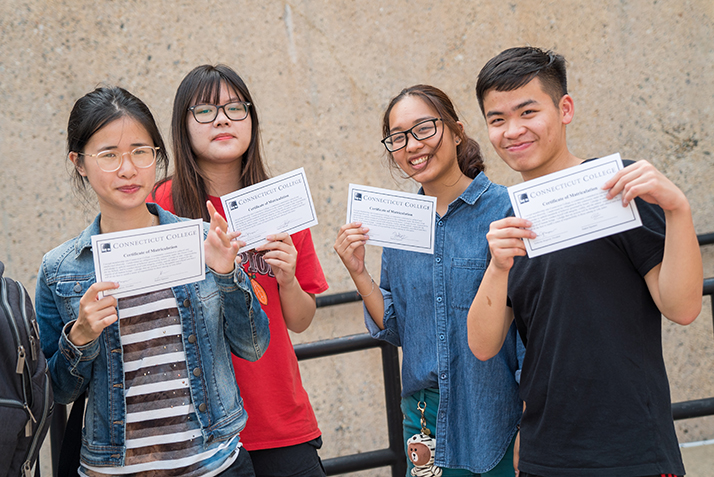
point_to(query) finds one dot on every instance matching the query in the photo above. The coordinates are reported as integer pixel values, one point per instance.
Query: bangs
(208, 89)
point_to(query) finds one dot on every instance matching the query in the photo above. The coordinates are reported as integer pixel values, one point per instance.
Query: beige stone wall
(321, 73)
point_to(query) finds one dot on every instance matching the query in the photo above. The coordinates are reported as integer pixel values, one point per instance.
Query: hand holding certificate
(280, 204)
(149, 259)
(569, 207)
(395, 219)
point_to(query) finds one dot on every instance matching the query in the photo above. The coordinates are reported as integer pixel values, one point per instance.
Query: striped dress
(163, 435)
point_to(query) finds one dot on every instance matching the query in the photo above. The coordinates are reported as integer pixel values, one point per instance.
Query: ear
(74, 157)
(567, 108)
(459, 137)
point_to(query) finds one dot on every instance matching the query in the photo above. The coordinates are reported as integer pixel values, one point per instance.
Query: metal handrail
(394, 455)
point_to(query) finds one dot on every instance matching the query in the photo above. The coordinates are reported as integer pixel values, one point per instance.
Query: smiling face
(528, 130)
(222, 141)
(126, 189)
(432, 161)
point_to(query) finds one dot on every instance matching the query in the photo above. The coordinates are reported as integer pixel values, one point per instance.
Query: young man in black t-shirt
(594, 384)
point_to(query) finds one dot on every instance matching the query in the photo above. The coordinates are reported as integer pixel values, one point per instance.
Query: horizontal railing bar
(695, 408)
(706, 239)
(708, 286)
(361, 461)
(344, 344)
(337, 299)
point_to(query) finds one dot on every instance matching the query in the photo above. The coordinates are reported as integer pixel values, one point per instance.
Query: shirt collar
(478, 186)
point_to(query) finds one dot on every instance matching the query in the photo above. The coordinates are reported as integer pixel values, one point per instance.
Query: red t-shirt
(279, 411)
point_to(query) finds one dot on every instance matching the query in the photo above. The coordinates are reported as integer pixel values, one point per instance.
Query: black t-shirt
(594, 379)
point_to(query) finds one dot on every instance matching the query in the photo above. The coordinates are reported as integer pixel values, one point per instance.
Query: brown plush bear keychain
(421, 448)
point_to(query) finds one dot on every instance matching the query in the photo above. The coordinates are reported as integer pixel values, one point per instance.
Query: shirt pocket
(71, 291)
(466, 275)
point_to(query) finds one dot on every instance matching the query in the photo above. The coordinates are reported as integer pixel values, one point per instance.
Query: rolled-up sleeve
(246, 325)
(70, 366)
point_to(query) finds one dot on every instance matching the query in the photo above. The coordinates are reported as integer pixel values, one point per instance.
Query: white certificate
(395, 219)
(569, 207)
(280, 204)
(150, 259)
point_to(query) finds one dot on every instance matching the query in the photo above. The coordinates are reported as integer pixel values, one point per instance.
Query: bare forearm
(371, 296)
(489, 316)
(298, 307)
(681, 273)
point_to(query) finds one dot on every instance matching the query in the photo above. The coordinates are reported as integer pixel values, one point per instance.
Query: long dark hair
(188, 183)
(95, 110)
(468, 151)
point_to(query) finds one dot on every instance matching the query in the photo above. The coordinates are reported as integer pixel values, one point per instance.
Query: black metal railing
(392, 456)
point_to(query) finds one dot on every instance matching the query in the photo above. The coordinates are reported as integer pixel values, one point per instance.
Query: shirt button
(442, 337)
(443, 375)
(197, 372)
(441, 223)
(191, 339)
(77, 287)
(186, 303)
(438, 299)
(438, 259)
(202, 407)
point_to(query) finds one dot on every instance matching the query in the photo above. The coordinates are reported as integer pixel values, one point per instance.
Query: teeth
(420, 160)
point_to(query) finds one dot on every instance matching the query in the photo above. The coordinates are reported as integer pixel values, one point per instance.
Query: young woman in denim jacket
(157, 367)
(472, 408)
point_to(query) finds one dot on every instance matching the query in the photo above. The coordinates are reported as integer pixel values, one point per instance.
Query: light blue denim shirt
(426, 301)
(210, 334)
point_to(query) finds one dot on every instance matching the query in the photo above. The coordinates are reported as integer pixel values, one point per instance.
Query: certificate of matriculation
(569, 207)
(150, 259)
(395, 219)
(280, 204)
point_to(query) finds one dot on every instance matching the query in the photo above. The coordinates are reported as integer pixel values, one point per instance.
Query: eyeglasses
(207, 113)
(420, 131)
(110, 161)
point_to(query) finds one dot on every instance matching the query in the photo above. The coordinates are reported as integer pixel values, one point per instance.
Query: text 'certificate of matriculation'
(569, 207)
(280, 204)
(150, 259)
(395, 219)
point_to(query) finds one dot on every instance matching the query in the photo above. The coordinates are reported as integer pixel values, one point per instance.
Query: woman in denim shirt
(157, 367)
(472, 408)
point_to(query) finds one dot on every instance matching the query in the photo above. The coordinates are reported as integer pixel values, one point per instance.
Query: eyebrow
(515, 108)
(419, 120)
(134, 145)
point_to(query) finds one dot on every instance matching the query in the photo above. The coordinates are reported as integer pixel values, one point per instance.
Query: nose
(513, 129)
(413, 143)
(127, 168)
(221, 116)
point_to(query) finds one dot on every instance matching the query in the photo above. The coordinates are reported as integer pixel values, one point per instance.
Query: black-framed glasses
(110, 161)
(207, 113)
(420, 131)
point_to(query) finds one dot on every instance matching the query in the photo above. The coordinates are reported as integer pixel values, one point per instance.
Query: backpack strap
(72, 440)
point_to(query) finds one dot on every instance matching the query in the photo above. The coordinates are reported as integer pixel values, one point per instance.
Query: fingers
(643, 180)
(216, 219)
(505, 240)
(95, 313)
(510, 228)
(351, 236)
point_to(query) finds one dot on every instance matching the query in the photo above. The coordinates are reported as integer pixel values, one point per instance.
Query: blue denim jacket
(210, 334)
(426, 301)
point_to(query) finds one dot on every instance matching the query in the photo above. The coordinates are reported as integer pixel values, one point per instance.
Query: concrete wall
(321, 73)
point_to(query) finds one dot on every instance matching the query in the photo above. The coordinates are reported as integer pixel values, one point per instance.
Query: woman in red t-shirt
(216, 143)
